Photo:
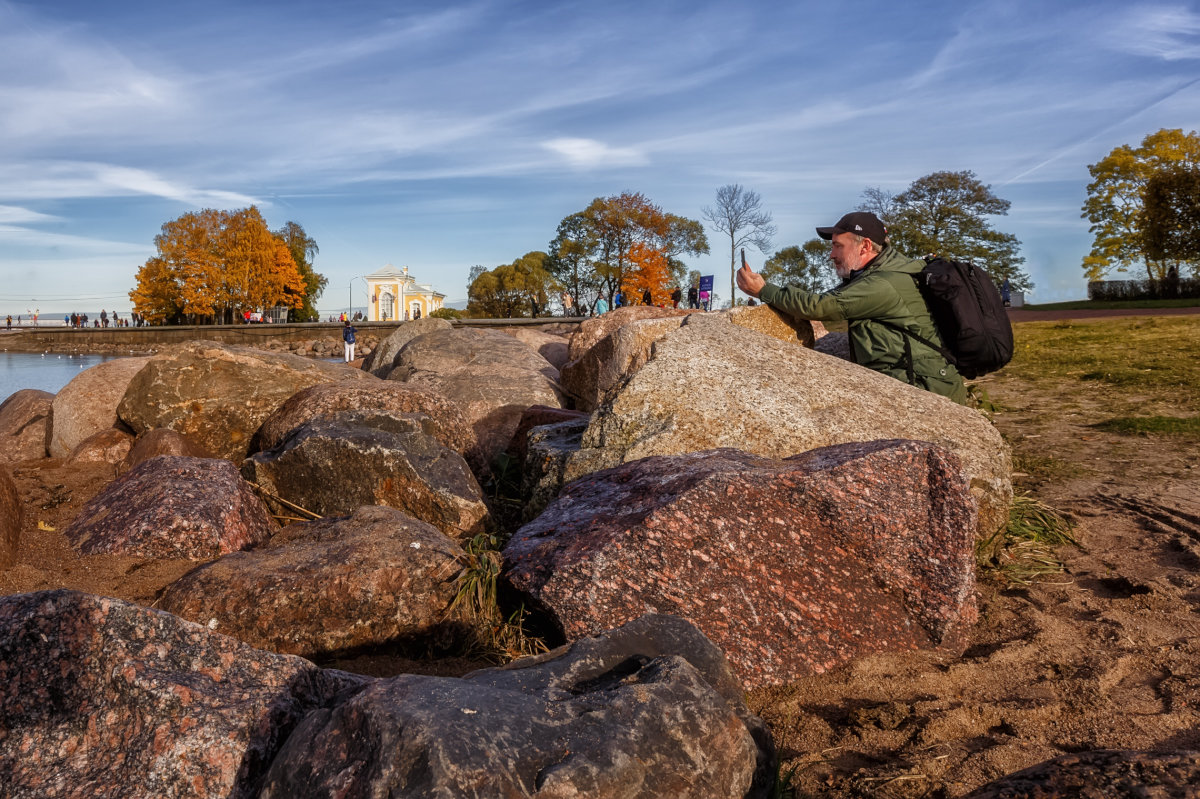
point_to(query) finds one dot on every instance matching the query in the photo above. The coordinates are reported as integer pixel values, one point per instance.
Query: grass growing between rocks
(497, 637)
(1024, 549)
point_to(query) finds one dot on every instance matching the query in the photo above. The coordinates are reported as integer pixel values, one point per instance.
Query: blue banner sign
(706, 282)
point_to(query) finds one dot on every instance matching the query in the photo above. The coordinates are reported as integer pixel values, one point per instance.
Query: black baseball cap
(860, 223)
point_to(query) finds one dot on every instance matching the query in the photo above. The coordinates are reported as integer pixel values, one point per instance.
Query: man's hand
(750, 281)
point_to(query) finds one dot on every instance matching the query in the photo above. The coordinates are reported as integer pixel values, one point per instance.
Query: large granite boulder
(592, 331)
(325, 399)
(24, 425)
(321, 587)
(333, 465)
(791, 566)
(597, 371)
(382, 358)
(593, 372)
(551, 346)
(88, 404)
(712, 384)
(105, 699)
(12, 518)
(218, 395)
(160, 441)
(649, 710)
(172, 507)
(492, 378)
(1107, 773)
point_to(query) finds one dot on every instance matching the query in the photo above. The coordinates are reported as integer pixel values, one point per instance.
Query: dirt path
(1106, 655)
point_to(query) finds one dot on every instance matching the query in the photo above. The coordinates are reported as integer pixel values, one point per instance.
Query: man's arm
(793, 301)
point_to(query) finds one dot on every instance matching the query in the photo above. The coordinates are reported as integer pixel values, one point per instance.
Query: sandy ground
(1104, 655)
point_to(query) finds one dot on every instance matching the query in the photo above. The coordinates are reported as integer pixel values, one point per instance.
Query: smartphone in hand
(744, 264)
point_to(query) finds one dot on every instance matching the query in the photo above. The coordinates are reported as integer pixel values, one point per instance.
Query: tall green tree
(303, 248)
(946, 214)
(1116, 199)
(1171, 220)
(738, 214)
(807, 267)
(519, 289)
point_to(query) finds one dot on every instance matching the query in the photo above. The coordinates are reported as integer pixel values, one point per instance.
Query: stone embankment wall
(318, 338)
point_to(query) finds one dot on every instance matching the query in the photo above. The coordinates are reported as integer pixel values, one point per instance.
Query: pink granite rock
(791, 566)
(492, 378)
(107, 446)
(316, 588)
(88, 404)
(12, 517)
(24, 425)
(592, 331)
(161, 441)
(172, 507)
(537, 416)
(102, 699)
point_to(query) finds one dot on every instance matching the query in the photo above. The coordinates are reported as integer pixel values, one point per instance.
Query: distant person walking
(1006, 293)
(647, 297)
(676, 296)
(601, 305)
(568, 303)
(348, 332)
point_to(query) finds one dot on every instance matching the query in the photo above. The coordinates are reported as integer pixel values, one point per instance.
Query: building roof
(388, 271)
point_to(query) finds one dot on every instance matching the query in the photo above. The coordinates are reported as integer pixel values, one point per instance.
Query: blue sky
(443, 135)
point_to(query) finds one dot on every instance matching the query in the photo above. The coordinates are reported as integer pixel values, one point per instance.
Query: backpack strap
(908, 334)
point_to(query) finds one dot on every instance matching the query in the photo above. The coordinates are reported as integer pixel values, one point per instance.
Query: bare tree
(739, 215)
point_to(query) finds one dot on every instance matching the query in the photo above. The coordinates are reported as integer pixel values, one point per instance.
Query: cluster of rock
(789, 511)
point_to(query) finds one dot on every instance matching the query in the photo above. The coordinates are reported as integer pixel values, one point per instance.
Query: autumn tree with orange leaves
(212, 265)
(622, 243)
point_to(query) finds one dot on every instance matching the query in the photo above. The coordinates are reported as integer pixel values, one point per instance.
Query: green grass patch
(1024, 550)
(1108, 305)
(1153, 356)
(1151, 425)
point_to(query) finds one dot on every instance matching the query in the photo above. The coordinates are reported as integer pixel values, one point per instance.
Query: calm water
(49, 372)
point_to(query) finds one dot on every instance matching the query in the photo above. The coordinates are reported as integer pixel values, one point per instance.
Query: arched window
(387, 307)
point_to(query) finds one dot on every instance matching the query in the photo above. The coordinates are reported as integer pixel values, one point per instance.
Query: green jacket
(884, 289)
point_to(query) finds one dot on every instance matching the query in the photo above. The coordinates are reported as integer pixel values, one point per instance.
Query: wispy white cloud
(69, 179)
(13, 215)
(591, 154)
(1171, 33)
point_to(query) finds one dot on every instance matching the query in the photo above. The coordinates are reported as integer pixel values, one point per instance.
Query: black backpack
(969, 314)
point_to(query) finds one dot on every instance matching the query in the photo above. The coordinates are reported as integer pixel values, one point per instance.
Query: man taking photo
(877, 286)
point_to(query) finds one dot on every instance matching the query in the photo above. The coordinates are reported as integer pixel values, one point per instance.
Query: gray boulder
(107, 700)
(551, 346)
(325, 399)
(218, 395)
(88, 404)
(317, 588)
(791, 566)
(25, 425)
(172, 507)
(492, 378)
(711, 384)
(649, 710)
(333, 465)
(380, 361)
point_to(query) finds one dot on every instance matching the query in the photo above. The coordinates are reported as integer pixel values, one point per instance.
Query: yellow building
(393, 294)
